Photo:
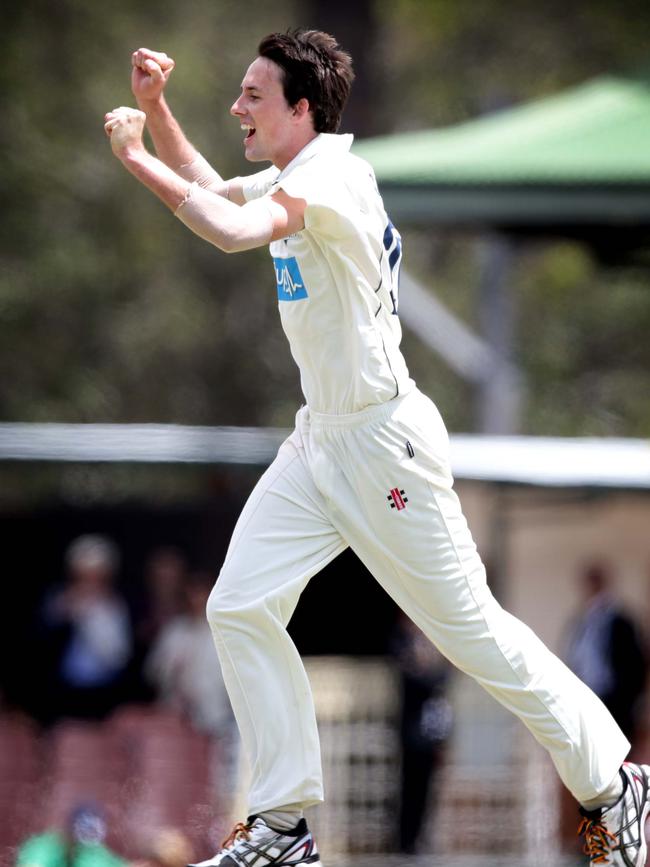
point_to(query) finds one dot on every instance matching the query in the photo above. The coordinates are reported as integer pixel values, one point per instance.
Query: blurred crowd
(129, 725)
(137, 668)
(81, 842)
(99, 647)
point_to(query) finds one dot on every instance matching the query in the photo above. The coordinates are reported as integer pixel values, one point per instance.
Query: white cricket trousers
(379, 481)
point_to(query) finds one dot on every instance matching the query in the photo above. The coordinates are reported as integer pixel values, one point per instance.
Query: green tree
(111, 311)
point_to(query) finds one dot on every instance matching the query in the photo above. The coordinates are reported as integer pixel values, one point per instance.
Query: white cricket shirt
(337, 279)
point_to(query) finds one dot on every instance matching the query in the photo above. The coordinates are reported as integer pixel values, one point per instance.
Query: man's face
(265, 115)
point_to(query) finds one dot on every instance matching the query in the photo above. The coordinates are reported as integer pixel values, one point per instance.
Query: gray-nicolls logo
(397, 499)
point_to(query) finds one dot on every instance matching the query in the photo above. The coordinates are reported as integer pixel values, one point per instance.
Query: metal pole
(500, 393)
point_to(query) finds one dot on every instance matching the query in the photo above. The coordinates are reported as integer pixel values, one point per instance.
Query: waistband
(376, 412)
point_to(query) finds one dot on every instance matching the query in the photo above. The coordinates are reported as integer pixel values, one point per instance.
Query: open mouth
(250, 131)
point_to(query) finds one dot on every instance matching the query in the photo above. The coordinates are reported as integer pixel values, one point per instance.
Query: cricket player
(367, 464)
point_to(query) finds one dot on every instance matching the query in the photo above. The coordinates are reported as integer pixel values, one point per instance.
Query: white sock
(281, 820)
(608, 797)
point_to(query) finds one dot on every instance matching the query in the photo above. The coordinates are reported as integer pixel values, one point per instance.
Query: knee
(216, 607)
(237, 603)
(227, 604)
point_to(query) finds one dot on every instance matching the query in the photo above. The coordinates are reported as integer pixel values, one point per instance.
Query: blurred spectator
(163, 596)
(161, 599)
(425, 726)
(88, 631)
(605, 651)
(169, 848)
(79, 844)
(184, 668)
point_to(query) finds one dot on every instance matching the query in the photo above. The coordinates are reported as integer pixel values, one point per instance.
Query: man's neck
(300, 144)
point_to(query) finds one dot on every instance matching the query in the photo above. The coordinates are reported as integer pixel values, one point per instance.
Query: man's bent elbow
(230, 245)
(241, 243)
(228, 240)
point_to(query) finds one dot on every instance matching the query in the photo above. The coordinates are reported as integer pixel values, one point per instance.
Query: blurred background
(511, 144)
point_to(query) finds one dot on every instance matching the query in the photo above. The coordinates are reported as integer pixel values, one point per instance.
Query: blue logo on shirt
(291, 286)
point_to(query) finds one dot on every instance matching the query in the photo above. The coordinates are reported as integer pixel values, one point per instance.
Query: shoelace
(240, 831)
(598, 840)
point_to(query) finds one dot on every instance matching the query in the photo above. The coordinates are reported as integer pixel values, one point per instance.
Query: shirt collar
(324, 143)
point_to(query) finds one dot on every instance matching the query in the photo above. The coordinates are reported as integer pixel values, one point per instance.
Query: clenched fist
(124, 127)
(150, 72)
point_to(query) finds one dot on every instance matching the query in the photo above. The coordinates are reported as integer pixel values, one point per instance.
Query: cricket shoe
(616, 835)
(254, 844)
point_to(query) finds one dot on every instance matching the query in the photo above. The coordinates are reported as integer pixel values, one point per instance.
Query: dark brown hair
(314, 67)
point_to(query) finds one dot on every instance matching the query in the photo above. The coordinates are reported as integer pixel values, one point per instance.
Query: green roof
(581, 155)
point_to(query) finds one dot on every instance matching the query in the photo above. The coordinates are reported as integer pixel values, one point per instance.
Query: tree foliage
(111, 311)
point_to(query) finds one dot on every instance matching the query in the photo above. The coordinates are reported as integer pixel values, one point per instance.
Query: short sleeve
(257, 185)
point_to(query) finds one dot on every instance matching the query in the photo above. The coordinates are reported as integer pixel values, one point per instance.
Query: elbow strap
(224, 224)
(201, 172)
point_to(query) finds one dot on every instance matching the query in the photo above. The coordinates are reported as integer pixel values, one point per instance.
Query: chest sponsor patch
(291, 286)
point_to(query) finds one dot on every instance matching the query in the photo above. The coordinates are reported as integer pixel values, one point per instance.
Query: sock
(281, 820)
(608, 797)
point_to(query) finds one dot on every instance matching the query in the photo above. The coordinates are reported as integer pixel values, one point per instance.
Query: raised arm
(150, 72)
(227, 225)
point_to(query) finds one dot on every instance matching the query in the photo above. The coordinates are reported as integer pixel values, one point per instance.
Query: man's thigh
(396, 508)
(282, 538)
